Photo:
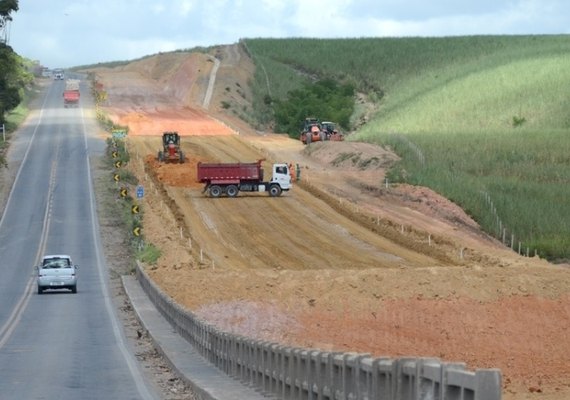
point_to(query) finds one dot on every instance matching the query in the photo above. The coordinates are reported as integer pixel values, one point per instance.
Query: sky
(66, 33)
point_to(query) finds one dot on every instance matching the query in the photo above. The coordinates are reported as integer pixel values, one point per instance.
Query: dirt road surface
(341, 262)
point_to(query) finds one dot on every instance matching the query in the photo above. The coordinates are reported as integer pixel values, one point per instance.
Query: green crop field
(483, 120)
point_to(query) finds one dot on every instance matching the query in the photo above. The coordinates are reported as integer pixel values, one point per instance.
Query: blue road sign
(140, 192)
(119, 133)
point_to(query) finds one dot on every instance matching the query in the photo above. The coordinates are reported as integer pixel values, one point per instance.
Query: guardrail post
(384, 379)
(488, 386)
(405, 378)
(253, 363)
(272, 354)
(288, 373)
(327, 370)
(233, 356)
(314, 383)
(242, 349)
(450, 391)
(428, 376)
(280, 372)
(364, 376)
(338, 382)
(305, 379)
(265, 367)
(297, 375)
(350, 369)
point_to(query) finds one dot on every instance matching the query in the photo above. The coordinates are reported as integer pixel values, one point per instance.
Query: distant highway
(59, 345)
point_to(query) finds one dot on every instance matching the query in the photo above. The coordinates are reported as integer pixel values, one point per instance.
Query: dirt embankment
(341, 262)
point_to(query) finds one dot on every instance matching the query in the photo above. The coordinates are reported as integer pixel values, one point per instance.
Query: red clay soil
(341, 262)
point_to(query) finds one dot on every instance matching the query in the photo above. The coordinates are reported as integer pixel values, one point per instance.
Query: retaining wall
(296, 373)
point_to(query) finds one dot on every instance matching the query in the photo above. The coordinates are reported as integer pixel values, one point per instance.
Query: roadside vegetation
(306, 101)
(119, 190)
(16, 82)
(16, 91)
(483, 120)
(127, 213)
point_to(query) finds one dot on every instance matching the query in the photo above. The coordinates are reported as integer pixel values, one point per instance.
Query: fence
(296, 373)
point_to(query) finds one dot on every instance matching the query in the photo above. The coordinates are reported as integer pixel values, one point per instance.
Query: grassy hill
(484, 120)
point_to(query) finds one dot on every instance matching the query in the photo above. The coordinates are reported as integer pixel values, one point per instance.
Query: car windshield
(56, 263)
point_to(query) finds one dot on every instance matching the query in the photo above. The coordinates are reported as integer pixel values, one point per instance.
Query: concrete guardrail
(296, 373)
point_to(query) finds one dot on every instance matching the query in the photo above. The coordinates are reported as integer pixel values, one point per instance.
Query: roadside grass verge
(119, 188)
(15, 118)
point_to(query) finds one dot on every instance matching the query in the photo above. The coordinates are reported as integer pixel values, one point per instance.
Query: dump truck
(71, 98)
(71, 93)
(171, 151)
(231, 178)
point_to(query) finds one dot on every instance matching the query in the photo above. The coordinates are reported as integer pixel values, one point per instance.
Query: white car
(57, 272)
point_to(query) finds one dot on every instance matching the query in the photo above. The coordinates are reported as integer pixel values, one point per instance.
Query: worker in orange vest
(292, 172)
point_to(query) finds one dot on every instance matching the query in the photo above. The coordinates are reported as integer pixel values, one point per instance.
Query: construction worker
(292, 172)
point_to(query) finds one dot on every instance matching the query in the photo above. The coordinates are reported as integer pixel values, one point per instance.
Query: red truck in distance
(70, 98)
(231, 178)
(71, 93)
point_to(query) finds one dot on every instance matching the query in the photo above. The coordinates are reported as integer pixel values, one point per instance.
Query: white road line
(8, 328)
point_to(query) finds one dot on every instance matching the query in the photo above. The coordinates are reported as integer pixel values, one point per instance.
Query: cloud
(77, 32)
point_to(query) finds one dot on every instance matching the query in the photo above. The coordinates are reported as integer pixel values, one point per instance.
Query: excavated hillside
(343, 261)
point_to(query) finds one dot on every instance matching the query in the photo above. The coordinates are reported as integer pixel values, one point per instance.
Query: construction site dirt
(345, 261)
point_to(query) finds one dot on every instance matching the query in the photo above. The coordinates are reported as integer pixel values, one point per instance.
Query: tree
(13, 79)
(7, 7)
(325, 99)
(13, 76)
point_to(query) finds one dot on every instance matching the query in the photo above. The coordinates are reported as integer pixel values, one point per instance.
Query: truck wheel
(274, 190)
(232, 191)
(215, 191)
(181, 157)
(323, 136)
(309, 137)
(160, 156)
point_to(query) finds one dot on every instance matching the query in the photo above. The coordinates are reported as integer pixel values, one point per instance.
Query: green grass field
(483, 120)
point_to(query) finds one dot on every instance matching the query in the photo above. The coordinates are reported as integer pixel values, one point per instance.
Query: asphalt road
(58, 344)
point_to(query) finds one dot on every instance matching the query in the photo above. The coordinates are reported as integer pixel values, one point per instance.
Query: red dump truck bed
(70, 97)
(230, 172)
